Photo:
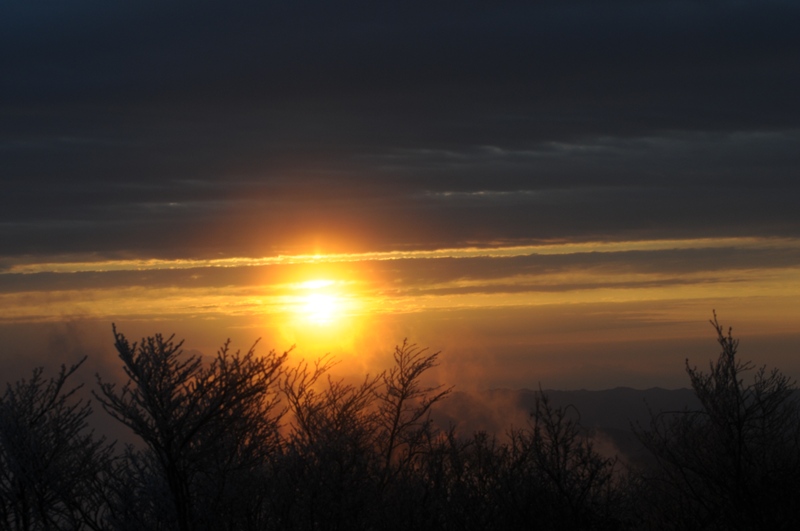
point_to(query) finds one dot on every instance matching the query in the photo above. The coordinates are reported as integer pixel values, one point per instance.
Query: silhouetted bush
(556, 474)
(243, 443)
(206, 426)
(53, 471)
(326, 472)
(735, 462)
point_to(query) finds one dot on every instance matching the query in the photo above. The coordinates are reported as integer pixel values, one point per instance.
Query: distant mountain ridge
(498, 409)
(619, 407)
(609, 415)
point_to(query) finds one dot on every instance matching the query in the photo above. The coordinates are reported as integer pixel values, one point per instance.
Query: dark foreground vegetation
(245, 442)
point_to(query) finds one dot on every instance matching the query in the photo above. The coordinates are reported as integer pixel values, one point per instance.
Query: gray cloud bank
(196, 129)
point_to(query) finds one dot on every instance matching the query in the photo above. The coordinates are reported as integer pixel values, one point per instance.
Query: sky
(550, 193)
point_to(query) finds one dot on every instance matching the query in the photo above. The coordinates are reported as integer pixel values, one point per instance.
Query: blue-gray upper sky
(203, 129)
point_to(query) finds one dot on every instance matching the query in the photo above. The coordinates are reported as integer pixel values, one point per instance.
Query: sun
(320, 308)
(325, 310)
(319, 302)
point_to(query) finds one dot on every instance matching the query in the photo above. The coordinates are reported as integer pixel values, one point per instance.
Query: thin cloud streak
(488, 279)
(470, 252)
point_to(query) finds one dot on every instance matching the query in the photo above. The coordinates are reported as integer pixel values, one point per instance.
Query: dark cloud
(192, 130)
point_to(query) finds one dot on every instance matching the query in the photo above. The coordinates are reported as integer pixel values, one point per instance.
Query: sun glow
(320, 308)
(320, 302)
(323, 314)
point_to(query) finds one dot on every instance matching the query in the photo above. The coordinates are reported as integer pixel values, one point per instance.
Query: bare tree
(735, 462)
(555, 474)
(462, 481)
(404, 407)
(202, 422)
(52, 468)
(352, 457)
(329, 463)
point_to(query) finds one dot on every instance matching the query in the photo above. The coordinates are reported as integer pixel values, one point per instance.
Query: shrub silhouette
(53, 471)
(202, 423)
(353, 448)
(735, 462)
(555, 466)
(244, 442)
(326, 472)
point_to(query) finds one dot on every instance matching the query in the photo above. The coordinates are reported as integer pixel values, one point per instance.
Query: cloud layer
(557, 185)
(192, 131)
